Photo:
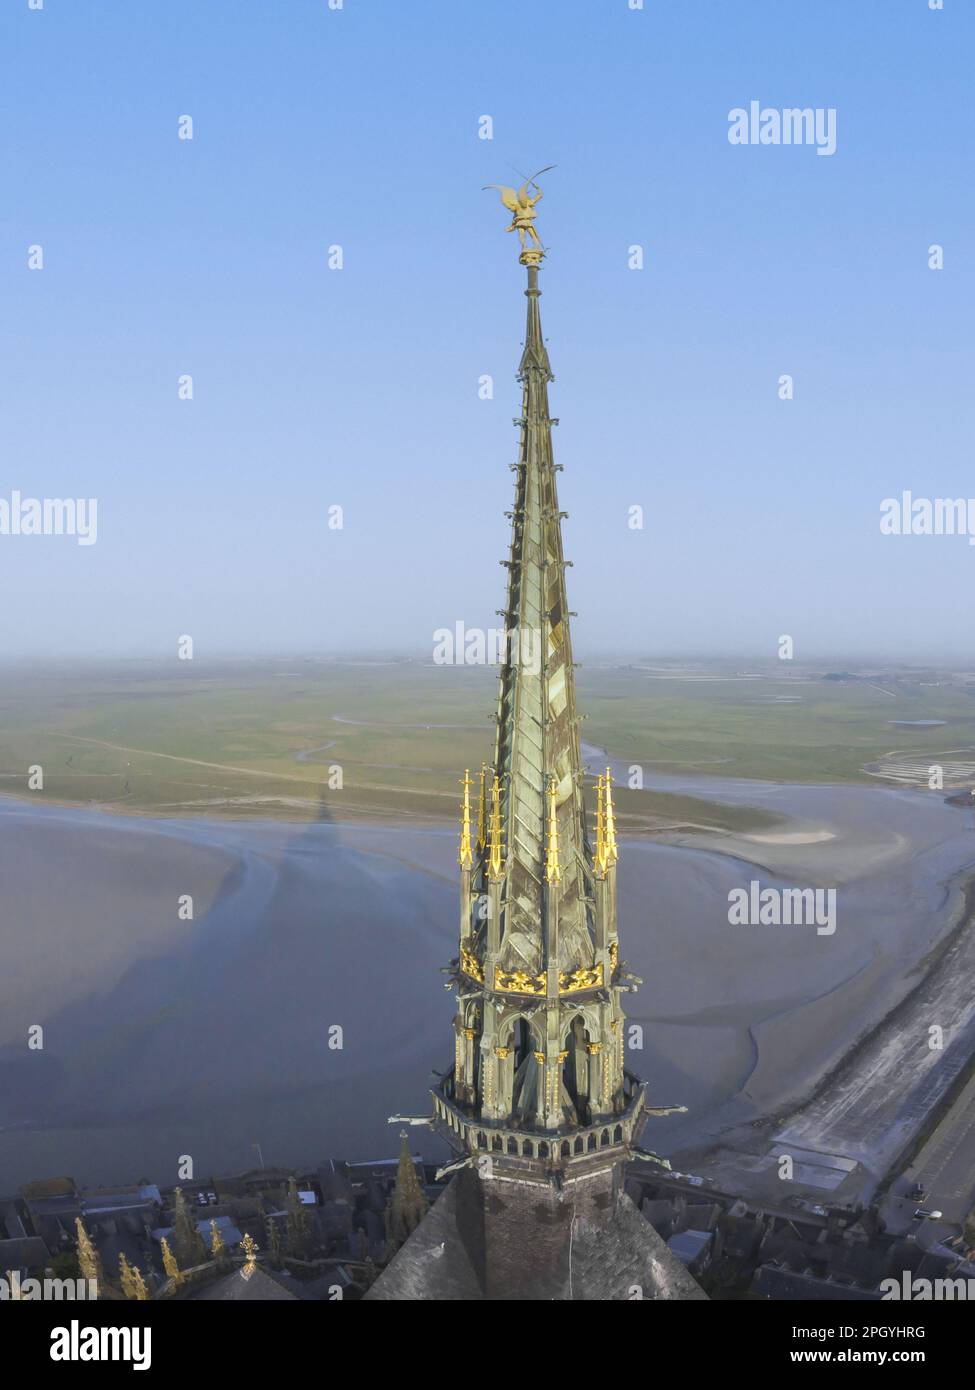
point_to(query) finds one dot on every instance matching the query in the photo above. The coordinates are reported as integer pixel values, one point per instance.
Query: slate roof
(260, 1287)
(333, 1178)
(486, 1239)
(23, 1252)
(689, 1245)
(777, 1283)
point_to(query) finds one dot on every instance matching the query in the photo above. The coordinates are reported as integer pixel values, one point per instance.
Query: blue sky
(358, 387)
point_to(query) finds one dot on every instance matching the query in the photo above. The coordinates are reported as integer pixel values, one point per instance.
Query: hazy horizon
(761, 662)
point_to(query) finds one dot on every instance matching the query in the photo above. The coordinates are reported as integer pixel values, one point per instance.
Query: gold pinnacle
(612, 853)
(466, 856)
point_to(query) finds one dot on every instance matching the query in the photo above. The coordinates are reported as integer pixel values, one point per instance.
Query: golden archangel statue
(520, 202)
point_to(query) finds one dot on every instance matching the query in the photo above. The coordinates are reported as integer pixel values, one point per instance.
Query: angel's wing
(508, 195)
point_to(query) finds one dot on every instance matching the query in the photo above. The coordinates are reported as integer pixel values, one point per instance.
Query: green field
(802, 727)
(260, 738)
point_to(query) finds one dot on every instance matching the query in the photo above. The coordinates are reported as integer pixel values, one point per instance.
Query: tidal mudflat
(164, 1036)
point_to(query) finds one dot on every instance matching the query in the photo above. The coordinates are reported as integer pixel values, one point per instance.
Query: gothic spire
(538, 1097)
(538, 735)
(538, 1035)
(408, 1204)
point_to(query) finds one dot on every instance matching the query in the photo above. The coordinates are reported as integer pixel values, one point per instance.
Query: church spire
(407, 1204)
(537, 741)
(539, 1032)
(538, 1104)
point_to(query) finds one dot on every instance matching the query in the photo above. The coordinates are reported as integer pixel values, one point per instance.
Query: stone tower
(538, 1106)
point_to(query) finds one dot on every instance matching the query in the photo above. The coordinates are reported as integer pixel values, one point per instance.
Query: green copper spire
(538, 733)
(539, 1033)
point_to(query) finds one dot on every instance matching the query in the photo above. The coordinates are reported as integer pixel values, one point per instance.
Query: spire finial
(466, 857)
(612, 853)
(553, 872)
(495, 862)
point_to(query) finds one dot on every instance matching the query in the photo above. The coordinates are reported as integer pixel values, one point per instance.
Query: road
(945, 1166)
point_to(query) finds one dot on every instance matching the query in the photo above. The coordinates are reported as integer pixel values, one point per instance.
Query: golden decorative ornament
(518, 982)
(466, 856)
(570, 981)
(585, 977)
(612, 853)
(250, 1248)
(471, 966)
